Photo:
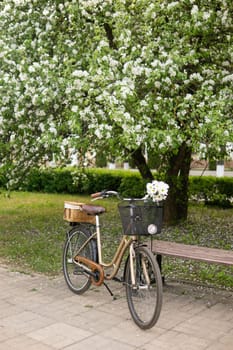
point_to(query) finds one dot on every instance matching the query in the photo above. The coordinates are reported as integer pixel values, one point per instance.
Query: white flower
(188, 97)
(31, 69)
(23, 76)
(79, 73)
(172, 72)
(157, 84)
(98, 133)
(206, 15)
(74, 109)
(227, 78)
(172, 4)
(194, 10)
(53, 130)
(157, 190)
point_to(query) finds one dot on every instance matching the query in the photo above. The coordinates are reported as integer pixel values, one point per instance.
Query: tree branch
(110, 36)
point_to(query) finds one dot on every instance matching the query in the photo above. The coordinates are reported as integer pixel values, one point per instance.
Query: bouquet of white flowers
(157, 190)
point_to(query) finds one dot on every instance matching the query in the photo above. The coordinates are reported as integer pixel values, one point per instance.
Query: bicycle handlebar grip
(96, 195)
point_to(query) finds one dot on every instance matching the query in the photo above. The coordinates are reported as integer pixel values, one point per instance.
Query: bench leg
(159, 261)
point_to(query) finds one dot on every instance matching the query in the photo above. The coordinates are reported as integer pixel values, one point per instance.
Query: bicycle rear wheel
(76, 278)
(145, 296)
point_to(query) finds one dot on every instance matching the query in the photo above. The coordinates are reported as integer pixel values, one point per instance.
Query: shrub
(71, 180)
(212, 190)
(48, 180)
(103, 179)
(132, 186)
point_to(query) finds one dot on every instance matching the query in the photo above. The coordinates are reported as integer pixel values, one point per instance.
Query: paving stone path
(40, 313)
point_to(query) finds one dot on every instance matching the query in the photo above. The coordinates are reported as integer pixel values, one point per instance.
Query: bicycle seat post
(97, 220)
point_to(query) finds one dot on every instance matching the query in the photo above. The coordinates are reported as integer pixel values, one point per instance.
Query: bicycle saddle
(93, 209)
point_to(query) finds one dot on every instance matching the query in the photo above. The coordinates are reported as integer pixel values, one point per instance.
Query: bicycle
(82, 255)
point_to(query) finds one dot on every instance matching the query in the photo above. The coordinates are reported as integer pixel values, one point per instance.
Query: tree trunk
(177, 176)
(141, 164)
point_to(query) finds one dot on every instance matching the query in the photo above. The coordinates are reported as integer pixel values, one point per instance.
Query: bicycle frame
(84, 265)
(124, 244)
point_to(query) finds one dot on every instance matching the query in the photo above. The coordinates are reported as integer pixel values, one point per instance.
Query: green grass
(32, 234)
(32, 230)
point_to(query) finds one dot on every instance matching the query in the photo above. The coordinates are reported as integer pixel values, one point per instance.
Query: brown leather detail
(93, 209)
(93, 266)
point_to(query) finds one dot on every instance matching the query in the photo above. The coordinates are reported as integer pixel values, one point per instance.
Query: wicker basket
(73, 213)
(140, 218)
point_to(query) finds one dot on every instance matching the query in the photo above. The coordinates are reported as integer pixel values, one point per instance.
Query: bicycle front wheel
(76, 278)
(143, 288)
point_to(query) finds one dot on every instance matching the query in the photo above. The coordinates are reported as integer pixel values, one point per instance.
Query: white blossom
(188, 97)
(206, 15)
(152, 88)
(74, 109)
(157, 190)
(172, 4)
(228, 78)
(79, 73)
(194, 10)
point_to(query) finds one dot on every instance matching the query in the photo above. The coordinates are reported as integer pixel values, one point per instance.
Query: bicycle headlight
(152, 229)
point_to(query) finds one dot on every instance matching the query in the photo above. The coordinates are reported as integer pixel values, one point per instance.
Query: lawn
(32, 230)
(32, 234)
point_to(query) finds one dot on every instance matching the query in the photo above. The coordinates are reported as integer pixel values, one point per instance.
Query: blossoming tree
(119, 75)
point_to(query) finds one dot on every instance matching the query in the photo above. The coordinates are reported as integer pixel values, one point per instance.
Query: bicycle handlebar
(96, 195)
(104, 194)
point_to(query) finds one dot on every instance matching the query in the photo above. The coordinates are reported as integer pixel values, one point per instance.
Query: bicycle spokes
(144, 290)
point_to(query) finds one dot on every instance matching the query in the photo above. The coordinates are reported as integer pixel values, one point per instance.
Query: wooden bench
(185, 251)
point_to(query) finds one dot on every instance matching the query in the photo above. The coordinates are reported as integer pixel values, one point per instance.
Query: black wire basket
(141, 218)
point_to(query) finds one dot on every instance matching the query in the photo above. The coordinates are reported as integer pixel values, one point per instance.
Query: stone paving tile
(59, 335)
(172, 340)
(131, 334)
(108, 320)
(205, 327)
(23, 342)
(118, 309)
(98, 342)
(219, 346)
(221, 311)
(171, 318)
(25, 321)
(7, 333)
(227, 340)
(8, 309)
(187, 305)
(40, 313)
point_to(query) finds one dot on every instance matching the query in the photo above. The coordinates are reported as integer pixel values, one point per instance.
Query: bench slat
(185, 251)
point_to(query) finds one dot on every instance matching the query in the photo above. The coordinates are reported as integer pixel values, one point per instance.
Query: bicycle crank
(91, 268)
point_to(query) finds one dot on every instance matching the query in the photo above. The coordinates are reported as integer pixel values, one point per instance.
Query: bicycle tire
(144, 300)
(76, 279)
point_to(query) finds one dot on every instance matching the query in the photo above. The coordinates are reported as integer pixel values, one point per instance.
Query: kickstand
(109, 290)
